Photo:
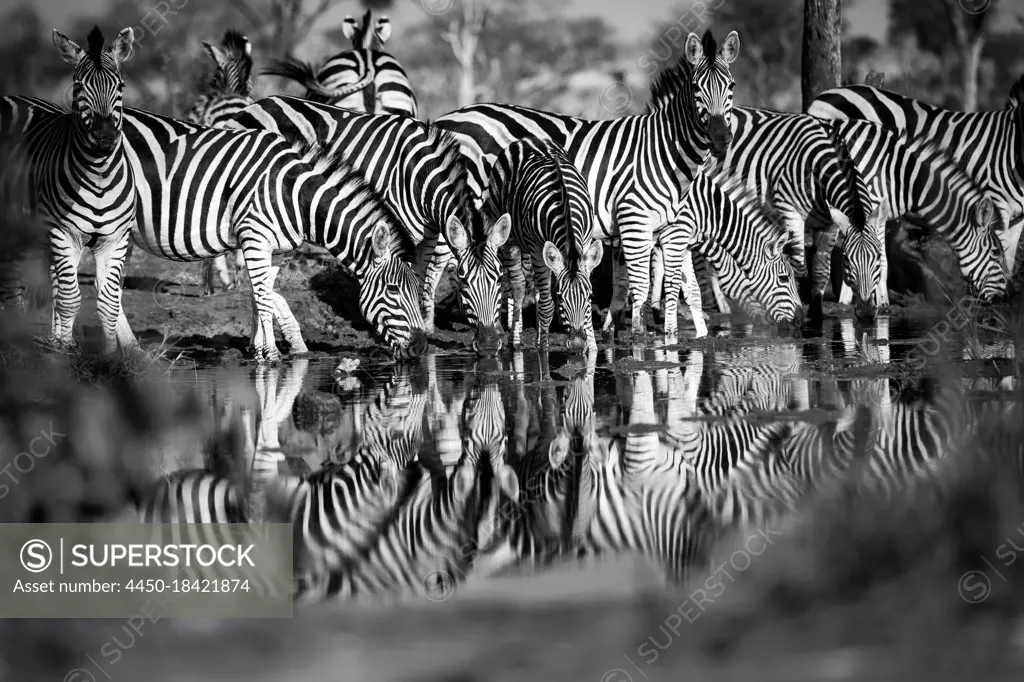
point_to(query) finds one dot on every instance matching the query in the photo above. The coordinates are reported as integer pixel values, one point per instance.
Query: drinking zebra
(228, 91)
(364, 79)
(70, 170)
(638, 168)
(919, 179)
(988, 145)
(721, 217)
(419, 170)
(552, 226)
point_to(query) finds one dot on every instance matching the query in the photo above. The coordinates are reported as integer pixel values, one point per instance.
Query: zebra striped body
(918, 179)
(70, 170)
(227, 93)
(725, 222)
(552, 226)
(419, 171)
(988, 145)
(204, 191)
(364, 79)
(637, 168)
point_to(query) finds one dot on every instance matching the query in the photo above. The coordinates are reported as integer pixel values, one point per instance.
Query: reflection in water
(416, 477)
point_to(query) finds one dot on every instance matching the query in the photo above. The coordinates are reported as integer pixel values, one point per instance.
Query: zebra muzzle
(576, 341)
(418, 344)
(487, 341)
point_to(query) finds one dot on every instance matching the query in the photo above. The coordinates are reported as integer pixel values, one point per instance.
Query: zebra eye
(392, 289)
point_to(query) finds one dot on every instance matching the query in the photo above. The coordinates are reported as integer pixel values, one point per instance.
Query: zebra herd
(695, 184)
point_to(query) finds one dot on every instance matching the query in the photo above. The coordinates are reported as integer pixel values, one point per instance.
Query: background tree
(821, 62)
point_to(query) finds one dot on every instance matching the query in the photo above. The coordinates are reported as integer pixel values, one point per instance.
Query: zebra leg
(657, 276)
(517, 290)
(545, 304)
(715, 283)
(615, 304)
(822, 269)
(66, 253)
(110, 258)
(794, 224)
(285, 320)
(215, 269)
(637, 244)
(437, 257)
(670, 257)
(692, 292)
(258, 262)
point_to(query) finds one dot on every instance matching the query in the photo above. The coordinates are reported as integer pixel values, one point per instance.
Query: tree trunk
(971, 66)
(821, 64)
(467, 84)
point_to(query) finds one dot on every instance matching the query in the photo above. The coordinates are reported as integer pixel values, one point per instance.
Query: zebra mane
(332, 163)
(95, 49)
(710, 46)
(851, 179)
(670, 83)
(548, 149)
(448, 149)
(237, 46)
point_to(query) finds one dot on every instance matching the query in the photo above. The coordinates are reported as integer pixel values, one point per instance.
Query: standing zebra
(420, 171)
(364, 78)
(638, 168)
(919, 179)
(725, 221)
(70, 169)
(988, 145)
(228, 91)
(265, 194)
(552, 226)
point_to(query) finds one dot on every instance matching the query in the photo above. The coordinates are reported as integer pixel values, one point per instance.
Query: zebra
(552, 225)
(364, 79)
(918, 178)
(70, 169)
(278, 194)
(722, 218)
(637, 168)
(228, 91)
(987, 145)
(419, 170)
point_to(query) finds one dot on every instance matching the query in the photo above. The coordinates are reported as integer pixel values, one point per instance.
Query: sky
(865, 17)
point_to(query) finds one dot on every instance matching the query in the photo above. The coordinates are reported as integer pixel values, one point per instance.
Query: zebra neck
(678, 122)
(90, 165)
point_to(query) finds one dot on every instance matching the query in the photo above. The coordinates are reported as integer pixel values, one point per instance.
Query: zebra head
(388, 298)
(986, 270)
(575, 292)
(97, 93)
(713, 86)
(478, 278)
(863, 256)
(233, 59)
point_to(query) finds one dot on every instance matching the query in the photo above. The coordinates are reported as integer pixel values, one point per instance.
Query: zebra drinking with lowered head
(420, 171)
(552, 225)
(638, 168)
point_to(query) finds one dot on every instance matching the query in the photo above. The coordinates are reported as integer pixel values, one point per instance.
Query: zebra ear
(509, 482)
(456, 235)
(594, 255)
(216, 54)
(248, 46)
(69, 50)
(380, 241)
(383, 29)
(558, 450)
(349, 27)
(693, 49)
(731, 48)
(553, 258)
(121, 50)
(984, 212)
(500, 231)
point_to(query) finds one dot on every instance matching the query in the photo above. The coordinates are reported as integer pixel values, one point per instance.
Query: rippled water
(453, 472)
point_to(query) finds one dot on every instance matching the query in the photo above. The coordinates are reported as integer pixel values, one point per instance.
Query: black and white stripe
(420, 171)
(364, 78)
(552, 225)
(69, 169)
(637, 168)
